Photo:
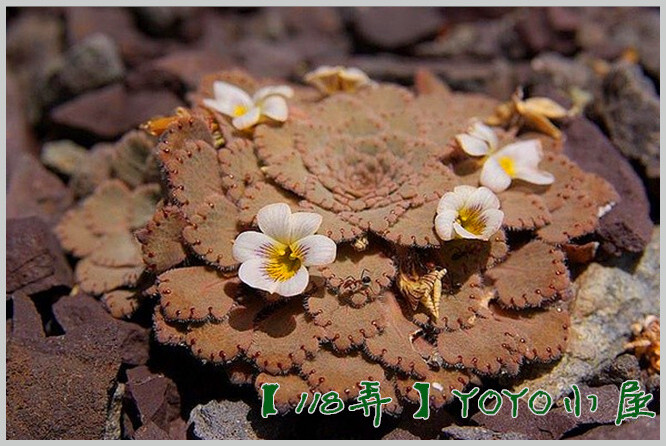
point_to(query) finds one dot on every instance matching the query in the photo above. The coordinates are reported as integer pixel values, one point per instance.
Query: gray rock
(479, 433)
(630, 110)
(92, 63)
(608, 300)
(222, 420)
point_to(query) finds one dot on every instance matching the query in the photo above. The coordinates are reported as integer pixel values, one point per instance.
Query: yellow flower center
(239, 110)
(472, 220)
(508, 165)
(283, 262)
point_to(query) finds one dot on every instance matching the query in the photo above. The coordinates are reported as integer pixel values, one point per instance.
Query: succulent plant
(399, 304)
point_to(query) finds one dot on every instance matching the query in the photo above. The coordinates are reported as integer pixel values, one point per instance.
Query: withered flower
(329, 80)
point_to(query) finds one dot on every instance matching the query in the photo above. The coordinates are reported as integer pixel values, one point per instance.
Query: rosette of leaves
(374, 164)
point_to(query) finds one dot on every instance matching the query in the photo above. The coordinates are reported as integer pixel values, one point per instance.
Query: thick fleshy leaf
(523, 210)
(144, 201)
(502, 341)
(239, 167)
(74, 234)
(109, 209)
(118, 249)
(463, 258)
(259, 195)
(343, 374)
(531, 275)
(284, 339)
(196, 293)
(393, 347)
(169, 333)
(367, 272)
(161, 239)
(345, 326)
(442, 381)
(225, 341)
(97, 279)
(290, 390)
(132, 157)
(121, 303)
(577, 216)
(192, 172)
(212, 230)
(332, 225)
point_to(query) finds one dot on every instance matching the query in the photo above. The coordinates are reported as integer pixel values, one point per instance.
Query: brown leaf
(531, 275)
(259, 195)
(393, 347)
(239, 167)
(195, 293)
(169, 333)
(462, 258)
(109, 208)
(523, 211)
(345, 326)
(161, 239)
(117, 249)
(144, 201)
(75, 235)
(442, 381)
(346, 275)
(290, 390)
(97, 279)
(284, 338)
(212, 230)
(121, 303)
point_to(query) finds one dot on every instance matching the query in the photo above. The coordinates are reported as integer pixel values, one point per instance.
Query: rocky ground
(84, 76)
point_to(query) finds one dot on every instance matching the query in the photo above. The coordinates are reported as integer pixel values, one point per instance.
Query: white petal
(250, 118)
(444, 224)
(296, 285)
(274, 221)
(280, 90)
(251, 272)
(215, 105)
(472, 145)
(229, 97)
(534, 176)
(317, 250)
(482, 131)
(523, 153)
(483, 198)
(494, 219)
(493, 176)
(275, 107)
(303, 224)
(456, 199)
(464, 233)
(251, 245)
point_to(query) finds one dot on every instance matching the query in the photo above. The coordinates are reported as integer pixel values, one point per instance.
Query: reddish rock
(113, 110)
(394, 28)
(20, 138)
(34, 191)
(118, 24)
(155, 398)
(35, 261)
(59, 386)
(627, 227)
(643, 428)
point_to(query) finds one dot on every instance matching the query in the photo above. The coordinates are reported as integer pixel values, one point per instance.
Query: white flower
(329, 80)
(246, 111)
(276, 258)
(468, 212)
(480, 140)
(519, 160)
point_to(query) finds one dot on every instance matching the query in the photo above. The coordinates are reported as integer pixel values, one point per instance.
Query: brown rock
(113, 110)
(643, 428)
(118, 24)
(34, 191)
(627, 227)
(20, 138)
(58, 387)
(394, 28)
(155, 398)
(35, 261)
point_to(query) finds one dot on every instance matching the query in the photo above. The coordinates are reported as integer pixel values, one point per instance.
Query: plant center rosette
(436, 267)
